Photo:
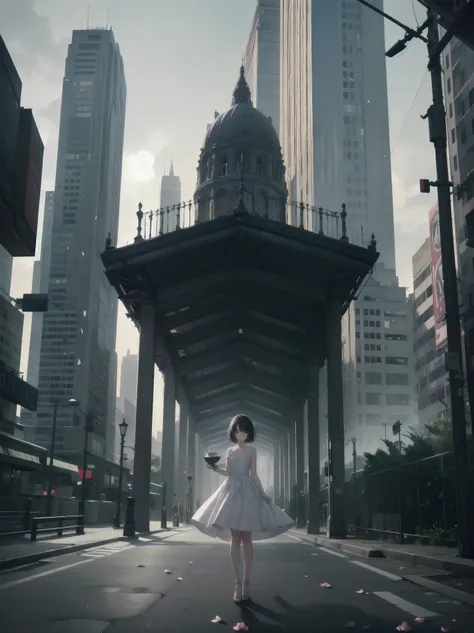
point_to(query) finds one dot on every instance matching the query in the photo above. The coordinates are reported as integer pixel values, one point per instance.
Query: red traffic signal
(425, 186)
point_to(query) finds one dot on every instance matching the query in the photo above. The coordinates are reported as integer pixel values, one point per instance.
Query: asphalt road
(103, 589)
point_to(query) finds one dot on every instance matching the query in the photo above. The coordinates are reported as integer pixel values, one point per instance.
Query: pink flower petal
(349, 625)
(168, 571)
(240, 626)
(420, 620)
(404, 626)
(444, 629)
(326, 585)
(363, 592)
(139, 565)
(217, 619)
(190, 562)
(179, 579)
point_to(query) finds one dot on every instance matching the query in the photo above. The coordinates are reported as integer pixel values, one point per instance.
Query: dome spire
(242, 90)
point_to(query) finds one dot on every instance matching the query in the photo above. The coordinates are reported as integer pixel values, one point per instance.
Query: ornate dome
(241, 153)
(242, 120)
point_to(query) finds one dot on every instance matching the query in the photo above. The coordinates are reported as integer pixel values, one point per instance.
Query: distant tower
(170, 196)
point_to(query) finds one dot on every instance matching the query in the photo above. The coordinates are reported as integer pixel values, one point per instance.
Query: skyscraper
(335, 138)
(77, 357)
(170, 196)
(40, 284)
(334, 114)
(129, 378)
(262, 60)
(6, 265)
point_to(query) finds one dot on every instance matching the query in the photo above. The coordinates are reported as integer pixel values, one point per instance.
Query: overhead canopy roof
(240, 306)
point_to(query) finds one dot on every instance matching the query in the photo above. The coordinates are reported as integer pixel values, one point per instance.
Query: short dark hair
(242, 423)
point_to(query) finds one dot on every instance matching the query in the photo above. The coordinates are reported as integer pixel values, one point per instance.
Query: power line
(405, 121)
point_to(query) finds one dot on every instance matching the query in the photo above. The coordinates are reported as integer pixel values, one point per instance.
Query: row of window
(389, 360)
(391, 399)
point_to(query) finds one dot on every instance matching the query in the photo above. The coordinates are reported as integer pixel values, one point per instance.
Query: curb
(10, 563)
(360, 550)
(445, 590)
(418, 560)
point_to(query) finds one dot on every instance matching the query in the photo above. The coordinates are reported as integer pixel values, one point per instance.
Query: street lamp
(436, 116)
(70, 403)
(123, 426)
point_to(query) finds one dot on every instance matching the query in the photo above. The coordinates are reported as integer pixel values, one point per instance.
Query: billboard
(439, 304)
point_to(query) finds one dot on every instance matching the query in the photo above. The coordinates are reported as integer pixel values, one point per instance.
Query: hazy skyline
(181, 62)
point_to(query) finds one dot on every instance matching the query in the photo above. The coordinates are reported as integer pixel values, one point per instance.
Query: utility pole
(436, 116)
(437, 129)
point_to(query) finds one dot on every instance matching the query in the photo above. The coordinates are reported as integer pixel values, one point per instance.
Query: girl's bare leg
(236, 563)
(248, 561)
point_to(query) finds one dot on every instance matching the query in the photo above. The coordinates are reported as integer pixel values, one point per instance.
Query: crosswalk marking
(404, 605)
(106, 550)
(382, 572)
(333, 552)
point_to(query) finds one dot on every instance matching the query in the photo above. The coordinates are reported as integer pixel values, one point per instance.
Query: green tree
(155, 469)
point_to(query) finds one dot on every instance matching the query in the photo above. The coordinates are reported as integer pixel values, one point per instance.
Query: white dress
(238, 504)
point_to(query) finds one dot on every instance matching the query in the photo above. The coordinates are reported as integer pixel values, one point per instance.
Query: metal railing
(329, 223)
(78, 526)
(18, 523)
(414, 501)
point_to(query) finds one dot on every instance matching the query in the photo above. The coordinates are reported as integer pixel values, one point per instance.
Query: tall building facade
(129, 378)
(262, 60)
(77, 358)
(41, 269)
(432, 389)
(6, 266)
(170, 197)
(458, 66)
(334, 115)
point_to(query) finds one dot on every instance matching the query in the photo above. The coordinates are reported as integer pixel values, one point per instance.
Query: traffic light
(425, 186)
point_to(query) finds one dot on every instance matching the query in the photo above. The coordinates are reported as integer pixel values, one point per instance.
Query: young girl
(240, 509)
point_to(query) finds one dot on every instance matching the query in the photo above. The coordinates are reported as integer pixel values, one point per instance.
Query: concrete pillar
(314, 450)
(281, 473)
(286, 471)
(144, 418)
(190, 464)
(276, 475)
(336, 519)
(292, 469)
(181, 484)
(167, 448)
(299, 441)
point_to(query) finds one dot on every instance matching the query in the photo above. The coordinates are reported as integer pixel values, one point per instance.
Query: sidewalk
(16, 552)
(442, 558)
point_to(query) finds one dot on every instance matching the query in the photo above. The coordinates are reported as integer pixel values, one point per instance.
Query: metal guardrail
(15, 519)
(59, 529)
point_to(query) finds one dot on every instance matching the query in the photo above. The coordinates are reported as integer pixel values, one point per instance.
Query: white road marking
(382, 572)
(296, 538)
(86, 559)
(331, 551)
(404, 605)
(105, 550)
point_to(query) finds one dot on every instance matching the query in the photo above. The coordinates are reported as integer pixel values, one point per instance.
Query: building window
(397, 379)
(396, 360)
(398, 399)
(450, 110)
(448, 83)
(224, 167)
(373, 398)
(373, 378)
(259, 167)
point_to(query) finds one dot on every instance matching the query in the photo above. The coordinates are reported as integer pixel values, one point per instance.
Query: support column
(276, 476)
(292, 471)
(281, 473)
(190, 465)
(168, 445)
(314, 452)
(336, 518)
(299, 441)
(286, 472)
(181, 484)
(144, 418)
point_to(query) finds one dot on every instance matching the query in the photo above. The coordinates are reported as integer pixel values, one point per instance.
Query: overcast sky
(181, 62)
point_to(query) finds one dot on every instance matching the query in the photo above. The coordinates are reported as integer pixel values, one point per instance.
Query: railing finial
(139, 236)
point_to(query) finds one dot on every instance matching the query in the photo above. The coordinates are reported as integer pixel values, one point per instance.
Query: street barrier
(60, 528)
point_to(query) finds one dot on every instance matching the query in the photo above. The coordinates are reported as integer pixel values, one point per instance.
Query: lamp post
(88, 428)
(436, 116)
(49, 501)
(123, 426)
